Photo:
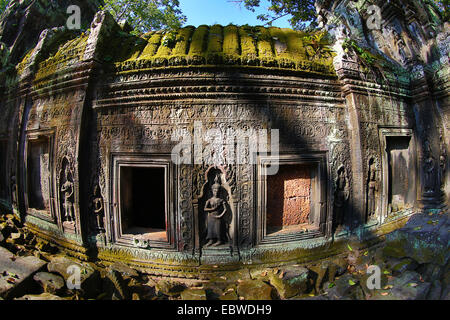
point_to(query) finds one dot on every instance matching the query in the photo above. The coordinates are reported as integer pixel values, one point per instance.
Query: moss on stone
(198, 42)
(264, 45)
(69, 52)
(215, 39)
(245, 46)
(248, 48)
(231, 41)
(152, 46)
(294, 43)
(163, 51)
(182, 41)
(280, 42)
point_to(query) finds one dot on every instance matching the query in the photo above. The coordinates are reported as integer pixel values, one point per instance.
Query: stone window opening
(293, 203)
(289, 200)
(143, 210)
(38, 174)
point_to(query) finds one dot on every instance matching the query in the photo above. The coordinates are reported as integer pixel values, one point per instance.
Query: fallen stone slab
(290, 281)
(67, 268)
(424, 238)
(407, 286)
(319, 273)
(254, 290)
(345, 287)
(51, 283)
(403, 265)
(193, 294)
(114, 284)
(16, 273)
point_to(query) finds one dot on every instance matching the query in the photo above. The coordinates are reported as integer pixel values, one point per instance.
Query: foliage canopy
(146, 15)
(303, 13)
(142, 15)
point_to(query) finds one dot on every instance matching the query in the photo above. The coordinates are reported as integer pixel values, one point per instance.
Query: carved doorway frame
(321, 202)
(35, 135)
(120, 160)
(384, 134)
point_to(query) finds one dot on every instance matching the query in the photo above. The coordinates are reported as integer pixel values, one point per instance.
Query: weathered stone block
(169, 288)
(254, 290)
(405, 287)
(343, 288)
(423, 238)
(193, 294)
(16, 272)
(89, 277)
(51, 283)
(290, 281)
(404, 265)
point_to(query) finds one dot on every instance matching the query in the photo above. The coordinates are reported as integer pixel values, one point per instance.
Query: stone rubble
(414, 264)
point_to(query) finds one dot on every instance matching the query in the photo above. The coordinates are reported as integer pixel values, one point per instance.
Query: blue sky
(210, 12)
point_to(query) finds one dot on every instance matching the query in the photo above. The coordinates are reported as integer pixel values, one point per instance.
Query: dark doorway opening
(38, 174)
(143, 201)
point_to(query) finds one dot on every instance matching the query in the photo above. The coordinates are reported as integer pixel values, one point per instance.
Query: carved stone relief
(342, 195)
(67, 190)
(215, 210)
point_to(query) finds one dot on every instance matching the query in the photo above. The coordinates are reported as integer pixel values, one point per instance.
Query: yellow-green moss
(25, 61)
(136, 50)
(152, 45)
(217, 45)
(278, 35)
(264, 43)
(215, 39)
(231, 41)
(68, 53)
(294, 43)
(248, 48)
(163, 51)
(182, 41)
(198, 40)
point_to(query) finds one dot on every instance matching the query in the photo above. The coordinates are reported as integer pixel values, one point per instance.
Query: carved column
(356, 211)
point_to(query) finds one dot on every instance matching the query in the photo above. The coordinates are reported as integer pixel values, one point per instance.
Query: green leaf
(349, 248)
(417, 228)
(386, 272)
(331, 285)
(351, 282)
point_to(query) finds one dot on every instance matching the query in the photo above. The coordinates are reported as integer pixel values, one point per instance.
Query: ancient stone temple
(158, 150)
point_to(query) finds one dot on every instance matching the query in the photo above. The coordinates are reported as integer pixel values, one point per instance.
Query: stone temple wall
(94, 109)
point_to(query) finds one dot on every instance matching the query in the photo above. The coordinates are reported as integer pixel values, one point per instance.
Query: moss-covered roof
(217, 45)
(244, 46)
